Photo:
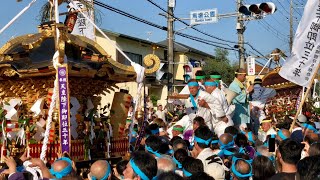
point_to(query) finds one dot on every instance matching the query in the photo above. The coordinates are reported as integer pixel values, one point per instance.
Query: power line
(209, 35)
(286, 17)
(208, 42)
(203, 41)
(183, 22)
(271, 27)
(271, 30)
(277, 21)
(129, 15)
(283, 7)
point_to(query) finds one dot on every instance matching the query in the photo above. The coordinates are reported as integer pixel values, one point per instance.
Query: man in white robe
(220, 112)
(200, 103)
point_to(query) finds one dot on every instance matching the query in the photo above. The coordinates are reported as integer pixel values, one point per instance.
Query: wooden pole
(303, 99)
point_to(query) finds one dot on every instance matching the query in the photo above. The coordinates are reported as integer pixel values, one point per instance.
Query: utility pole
(291, 26)
(240, 29)
(170, 39)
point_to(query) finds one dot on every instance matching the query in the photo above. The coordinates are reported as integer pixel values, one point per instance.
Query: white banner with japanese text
(83, 27)
(304, 60)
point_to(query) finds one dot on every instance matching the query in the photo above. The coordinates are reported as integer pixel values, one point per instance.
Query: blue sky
(265, 35)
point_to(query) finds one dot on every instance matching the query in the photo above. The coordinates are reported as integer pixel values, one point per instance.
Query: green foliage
(221, 54)
(222, 65)
(154, 99)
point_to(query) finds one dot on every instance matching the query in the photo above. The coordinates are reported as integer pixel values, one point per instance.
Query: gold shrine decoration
(151, 61)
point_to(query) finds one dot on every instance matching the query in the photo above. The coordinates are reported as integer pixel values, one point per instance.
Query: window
(137, 58)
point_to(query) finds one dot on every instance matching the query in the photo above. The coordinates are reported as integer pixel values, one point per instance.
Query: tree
(221, 54)
(222, 65)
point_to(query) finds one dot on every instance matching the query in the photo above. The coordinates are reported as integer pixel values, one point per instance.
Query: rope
(55, 90)
(17, 16)
(104, 35)
(51, 109)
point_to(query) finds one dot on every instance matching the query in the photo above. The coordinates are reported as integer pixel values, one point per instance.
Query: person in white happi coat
(220, 112)
(223, 90)
(200, 77)
(199, 103)
(217, 78)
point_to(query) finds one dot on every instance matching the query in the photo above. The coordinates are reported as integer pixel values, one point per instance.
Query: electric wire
(185, 23)
(275, 33)
(155, 4)
(205, 41)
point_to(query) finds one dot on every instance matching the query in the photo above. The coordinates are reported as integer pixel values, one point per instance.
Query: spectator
(154, 145)
(297, 130)
(177, 130)
(309, 131)
(288, 155)
(242, 142)
(141, 165)
(200, 175)
(179, 156)
(226, 140)
(169, 176)
(179, 144)
(120, 167)
(231, 130)
(267, 129)
(253, 140)
(161, 113)
(283, 134)
(202, 141)
(154, 129)
(241, 169)
(309, 168)
(165, 164)
(264, 151)
(12, 169)
(197, 122)
(215, 144)
(100, 170)
(262, 168)
(191, 166)
(62, 167)
(314, 149)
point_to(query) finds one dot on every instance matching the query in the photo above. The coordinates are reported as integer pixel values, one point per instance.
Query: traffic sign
(204, 16)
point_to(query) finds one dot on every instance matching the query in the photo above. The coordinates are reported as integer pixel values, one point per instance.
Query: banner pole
(304, 99)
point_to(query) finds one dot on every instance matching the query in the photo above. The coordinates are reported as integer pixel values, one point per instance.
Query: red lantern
(71, 20)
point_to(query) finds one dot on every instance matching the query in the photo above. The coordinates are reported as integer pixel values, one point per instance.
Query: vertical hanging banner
(83, 27)
(251, 65)
(64, 109)
(305, 56)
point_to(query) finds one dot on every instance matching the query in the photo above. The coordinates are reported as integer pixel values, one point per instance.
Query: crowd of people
(207, 138)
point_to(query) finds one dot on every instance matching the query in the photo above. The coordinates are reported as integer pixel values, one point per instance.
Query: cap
(302, 118)
(257, 81)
